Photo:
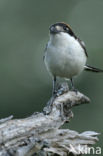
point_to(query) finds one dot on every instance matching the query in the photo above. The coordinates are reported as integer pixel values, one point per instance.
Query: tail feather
(92, 69)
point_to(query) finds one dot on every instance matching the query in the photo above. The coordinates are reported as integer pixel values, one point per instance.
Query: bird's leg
(59, 89)
(54, 86)
(72, 85)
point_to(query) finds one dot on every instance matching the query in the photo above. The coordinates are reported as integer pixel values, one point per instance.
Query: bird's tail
(92, 69)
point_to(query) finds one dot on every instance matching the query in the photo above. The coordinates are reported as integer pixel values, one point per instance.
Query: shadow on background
(25, 85)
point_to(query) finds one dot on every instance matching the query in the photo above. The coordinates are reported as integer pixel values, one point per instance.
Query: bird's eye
(65, 28)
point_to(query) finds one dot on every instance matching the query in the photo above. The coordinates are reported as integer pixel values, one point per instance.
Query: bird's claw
(74, 90)
(62, 88)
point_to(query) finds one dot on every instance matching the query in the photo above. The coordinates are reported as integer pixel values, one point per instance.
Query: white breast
(64, 56)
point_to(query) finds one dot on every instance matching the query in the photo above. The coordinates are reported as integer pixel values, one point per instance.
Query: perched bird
(65, 54)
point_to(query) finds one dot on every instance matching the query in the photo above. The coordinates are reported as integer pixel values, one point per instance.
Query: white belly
(65, 60)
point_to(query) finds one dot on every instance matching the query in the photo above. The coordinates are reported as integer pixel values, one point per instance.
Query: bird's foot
(62, 88)
(54, 92)
(74, 90)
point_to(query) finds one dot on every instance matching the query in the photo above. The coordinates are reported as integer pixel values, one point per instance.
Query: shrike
(65, 54)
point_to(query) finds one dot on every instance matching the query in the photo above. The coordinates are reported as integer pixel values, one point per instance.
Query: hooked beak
(53, 30)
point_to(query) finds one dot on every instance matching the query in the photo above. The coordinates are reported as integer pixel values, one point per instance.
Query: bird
(65, 54)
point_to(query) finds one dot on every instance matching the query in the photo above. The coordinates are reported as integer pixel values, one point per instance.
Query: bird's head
(61, 27)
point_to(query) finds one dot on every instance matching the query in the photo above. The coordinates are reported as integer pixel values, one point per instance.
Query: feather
(92, 69)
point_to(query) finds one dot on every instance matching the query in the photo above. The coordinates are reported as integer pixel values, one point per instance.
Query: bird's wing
(83, 46)
(92, 69)
(45, 51)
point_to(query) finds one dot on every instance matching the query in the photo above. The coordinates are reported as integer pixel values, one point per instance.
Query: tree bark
(41, 133)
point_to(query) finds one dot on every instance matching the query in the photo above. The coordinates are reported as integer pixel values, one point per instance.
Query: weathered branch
(41, 134)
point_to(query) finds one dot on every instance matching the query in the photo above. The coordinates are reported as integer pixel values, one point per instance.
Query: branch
(41, 134)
